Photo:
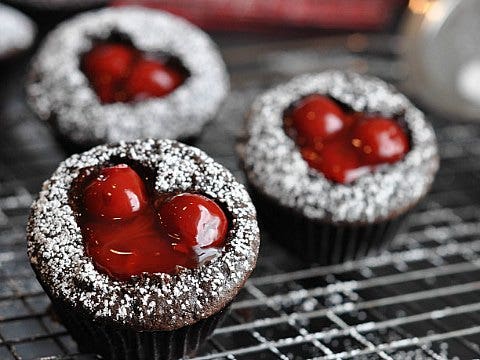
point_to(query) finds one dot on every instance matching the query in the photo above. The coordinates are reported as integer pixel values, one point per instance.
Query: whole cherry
(380, 140)
(116, 193)
(317, 118)
(194, 220)
(107, 66)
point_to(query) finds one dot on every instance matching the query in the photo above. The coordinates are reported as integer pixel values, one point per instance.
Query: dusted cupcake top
(69, 262)
(68, 76)
(378, 187)
(17, 31)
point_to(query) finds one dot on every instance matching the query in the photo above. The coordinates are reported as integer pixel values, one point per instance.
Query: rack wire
(420, 300)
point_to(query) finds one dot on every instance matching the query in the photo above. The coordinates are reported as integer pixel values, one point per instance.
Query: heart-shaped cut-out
(120, 73)
(128, 231)
(341, 143)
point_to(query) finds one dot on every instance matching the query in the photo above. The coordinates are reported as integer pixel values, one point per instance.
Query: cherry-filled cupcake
(141, 246)
(126, 73)
(335, 161)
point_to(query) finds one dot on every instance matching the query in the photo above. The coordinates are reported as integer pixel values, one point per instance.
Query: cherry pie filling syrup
(129, 229)
(341, 143)
(118, 72)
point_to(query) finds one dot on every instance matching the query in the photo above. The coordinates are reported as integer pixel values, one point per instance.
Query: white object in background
(442, 51)
(17, 32)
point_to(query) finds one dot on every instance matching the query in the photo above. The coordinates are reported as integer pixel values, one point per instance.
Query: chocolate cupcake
(141, 247)
(17, 32)
(335, 161)
(126, 73)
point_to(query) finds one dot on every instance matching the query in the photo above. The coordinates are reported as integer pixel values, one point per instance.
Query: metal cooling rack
(421, 300)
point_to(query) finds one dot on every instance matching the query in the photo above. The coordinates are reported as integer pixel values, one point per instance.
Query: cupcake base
(117, 343)
(320, 242)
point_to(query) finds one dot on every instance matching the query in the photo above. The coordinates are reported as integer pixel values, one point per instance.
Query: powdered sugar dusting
(275, 166)
(154, 301)
(59, 91)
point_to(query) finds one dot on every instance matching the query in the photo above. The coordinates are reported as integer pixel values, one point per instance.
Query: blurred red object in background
(265, 15)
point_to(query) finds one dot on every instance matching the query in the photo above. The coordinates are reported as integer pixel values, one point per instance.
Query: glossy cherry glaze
(129, 230)
(120, 73)
(340, 143)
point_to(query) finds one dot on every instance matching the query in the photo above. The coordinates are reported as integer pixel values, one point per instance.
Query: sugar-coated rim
(153, 301)
(276, 168)
(60, 92)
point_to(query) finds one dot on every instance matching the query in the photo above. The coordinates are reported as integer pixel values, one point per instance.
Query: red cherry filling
(121, 73)
(128, 232)
(343, 145)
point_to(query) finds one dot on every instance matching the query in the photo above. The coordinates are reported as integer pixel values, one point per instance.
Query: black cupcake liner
(320, 242)
(118, 343)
